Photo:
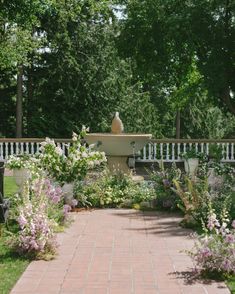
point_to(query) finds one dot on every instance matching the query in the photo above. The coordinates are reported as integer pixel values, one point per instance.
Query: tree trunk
(226, 97)
(178, 124)
(29, 100)
(19, 102)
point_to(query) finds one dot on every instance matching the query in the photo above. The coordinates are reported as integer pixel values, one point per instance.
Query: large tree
(72, 74)
(167, 37)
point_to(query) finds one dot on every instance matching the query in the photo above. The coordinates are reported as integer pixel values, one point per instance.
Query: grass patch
(12, 265)
(231, 284)
(10, 186)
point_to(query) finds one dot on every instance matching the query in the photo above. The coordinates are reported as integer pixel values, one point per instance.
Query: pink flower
(206, 252)
(22, 221)
(56, 199)
(74, 202)
(233, 224)
(230, 238)
(66, 209)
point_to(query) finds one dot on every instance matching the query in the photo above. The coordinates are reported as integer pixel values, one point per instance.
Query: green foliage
(231, 283)
(215, 152)
(191, 194)
(162, 181)
(113, 190)
(191, 153)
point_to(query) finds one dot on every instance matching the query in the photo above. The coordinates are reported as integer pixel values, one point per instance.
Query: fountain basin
(118, 147)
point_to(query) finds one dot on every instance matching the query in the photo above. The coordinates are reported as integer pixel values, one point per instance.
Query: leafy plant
(192, 153)
(191, 195)
(215, 152)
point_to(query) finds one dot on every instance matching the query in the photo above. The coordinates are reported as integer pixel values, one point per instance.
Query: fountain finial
(117, 125)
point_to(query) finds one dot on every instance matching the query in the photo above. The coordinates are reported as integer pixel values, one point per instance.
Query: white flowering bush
(214, 251)
(73, 166)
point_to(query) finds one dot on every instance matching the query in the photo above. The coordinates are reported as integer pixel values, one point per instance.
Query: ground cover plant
(113, 190)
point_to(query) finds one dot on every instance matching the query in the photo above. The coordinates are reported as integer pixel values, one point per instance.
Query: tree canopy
(79, 62)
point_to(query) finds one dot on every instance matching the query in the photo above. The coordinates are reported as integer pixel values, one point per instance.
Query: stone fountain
(118, 146)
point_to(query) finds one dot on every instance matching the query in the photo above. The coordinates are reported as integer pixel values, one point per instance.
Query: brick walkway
(118, 251)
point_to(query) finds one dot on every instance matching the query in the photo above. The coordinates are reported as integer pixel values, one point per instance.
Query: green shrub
(163, 183)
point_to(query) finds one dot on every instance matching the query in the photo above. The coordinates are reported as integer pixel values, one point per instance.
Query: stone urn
(67, 189)
(191, 165)
(21, 175)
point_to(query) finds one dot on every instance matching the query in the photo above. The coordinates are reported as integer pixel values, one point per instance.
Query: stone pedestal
(118, 163)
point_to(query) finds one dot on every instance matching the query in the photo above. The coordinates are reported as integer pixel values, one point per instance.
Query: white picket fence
(166, 150)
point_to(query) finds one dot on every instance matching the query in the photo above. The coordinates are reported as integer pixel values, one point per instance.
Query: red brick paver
(115, 251)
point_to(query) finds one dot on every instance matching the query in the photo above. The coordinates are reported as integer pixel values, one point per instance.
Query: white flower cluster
(22, 161)
(79, 159)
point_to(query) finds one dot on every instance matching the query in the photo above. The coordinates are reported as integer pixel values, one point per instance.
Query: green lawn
(11, 265)
(231, 284)
(10, 186)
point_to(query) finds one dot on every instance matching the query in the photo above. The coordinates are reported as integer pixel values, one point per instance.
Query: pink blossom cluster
(215, 250)
(54, 193)
(66, 209)
(36, 234)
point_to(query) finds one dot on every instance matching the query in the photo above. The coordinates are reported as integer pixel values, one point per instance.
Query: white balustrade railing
(168, 150)
(171, 150)
(25, 146)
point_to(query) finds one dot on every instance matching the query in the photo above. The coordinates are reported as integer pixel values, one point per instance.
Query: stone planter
(68, 192)
(21, 176)
(191, 165)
